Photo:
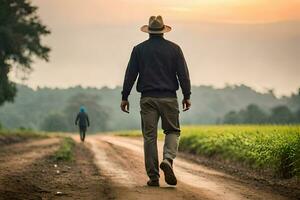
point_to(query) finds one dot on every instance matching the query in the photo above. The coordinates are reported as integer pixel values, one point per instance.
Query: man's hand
(125, 106)
(186, 104)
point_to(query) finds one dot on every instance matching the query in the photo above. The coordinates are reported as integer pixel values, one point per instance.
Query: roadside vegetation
(22, 134)
(263, 147)
(64, 153)
(268, 147)
(66, 150)
(128, 133)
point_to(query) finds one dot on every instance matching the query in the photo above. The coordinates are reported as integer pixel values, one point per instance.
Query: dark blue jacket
(159, 65)
(83, 119)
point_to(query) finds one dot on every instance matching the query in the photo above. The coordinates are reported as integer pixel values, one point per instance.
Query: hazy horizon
(225, 42)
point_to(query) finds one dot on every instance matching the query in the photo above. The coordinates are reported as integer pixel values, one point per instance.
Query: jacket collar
(156, 36)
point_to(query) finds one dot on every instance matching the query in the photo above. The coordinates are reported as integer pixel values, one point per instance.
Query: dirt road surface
(120, 161)
(29, 172)
(110, 167)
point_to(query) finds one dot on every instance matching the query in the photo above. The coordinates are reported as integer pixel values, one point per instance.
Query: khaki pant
(151, 110)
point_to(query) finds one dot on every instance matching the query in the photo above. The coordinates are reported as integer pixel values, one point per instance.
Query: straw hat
(156, 26)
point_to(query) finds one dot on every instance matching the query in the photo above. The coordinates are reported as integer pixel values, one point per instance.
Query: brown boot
(167, 168)
(153, 183)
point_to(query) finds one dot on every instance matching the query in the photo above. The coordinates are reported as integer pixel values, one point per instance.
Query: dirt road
(28, 171)
(120, 160)
(115, 170)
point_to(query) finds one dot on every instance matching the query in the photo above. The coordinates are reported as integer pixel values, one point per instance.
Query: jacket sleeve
(130, 75)
(87, 119)
(183, 75)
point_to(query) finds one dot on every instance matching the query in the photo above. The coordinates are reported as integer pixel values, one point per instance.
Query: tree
(297, 116)
(231, 117)
(54, 122)
(281, 115)
(98, 114)
(20, 40)
(254, 115)
(294, 101)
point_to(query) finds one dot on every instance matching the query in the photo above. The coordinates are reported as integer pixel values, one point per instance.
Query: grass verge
(276, 148)
(137, 133)
(23, 134)
(65, 151)
(263, 147)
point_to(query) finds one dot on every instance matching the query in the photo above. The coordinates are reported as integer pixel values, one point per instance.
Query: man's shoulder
(173, 44)
(141, 44)
(147, 42)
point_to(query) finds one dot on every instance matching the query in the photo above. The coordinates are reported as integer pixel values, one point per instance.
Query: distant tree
(297, 116)
(253, 115)
(54, 122)
(23, 128)
(231, 117)
(219, 120)
(0, 126)
(281, 115)
(294, 101)
(271, 92)
(20, 41)
(98, 115)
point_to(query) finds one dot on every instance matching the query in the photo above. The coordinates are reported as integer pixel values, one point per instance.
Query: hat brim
(166, 29)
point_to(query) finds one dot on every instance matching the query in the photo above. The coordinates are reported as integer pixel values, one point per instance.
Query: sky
(252, 42)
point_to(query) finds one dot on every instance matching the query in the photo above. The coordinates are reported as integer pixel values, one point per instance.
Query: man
(84, 121)
(160, 64)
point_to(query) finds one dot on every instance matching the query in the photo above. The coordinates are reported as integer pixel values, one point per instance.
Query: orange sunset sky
(253, 42)
(125, 11)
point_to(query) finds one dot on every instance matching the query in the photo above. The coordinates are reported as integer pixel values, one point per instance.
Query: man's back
(82, 119)
(158, 62)
(157, 65)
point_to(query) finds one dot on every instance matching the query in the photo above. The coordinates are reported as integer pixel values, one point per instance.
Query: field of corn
(276, 148)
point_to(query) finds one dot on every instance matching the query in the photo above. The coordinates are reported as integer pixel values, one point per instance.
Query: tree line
(253, 114)
(36, 109)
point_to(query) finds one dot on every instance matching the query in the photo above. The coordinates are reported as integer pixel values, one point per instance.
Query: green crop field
(275, 148)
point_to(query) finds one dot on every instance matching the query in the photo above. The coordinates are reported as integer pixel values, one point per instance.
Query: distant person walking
(160, 64)
(83, 122)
